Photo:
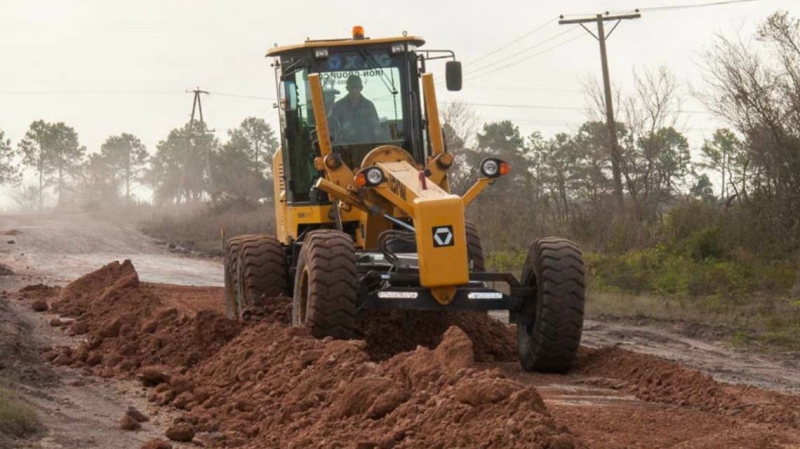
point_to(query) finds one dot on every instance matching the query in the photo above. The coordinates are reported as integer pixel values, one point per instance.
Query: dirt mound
(271, 385)
(390, 332)
(12, 232)
(129, 328)
(276, 386)
(38, 292)
(658, 380)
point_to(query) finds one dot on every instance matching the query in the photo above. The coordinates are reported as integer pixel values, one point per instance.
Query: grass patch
(17, 419)
(762, 320)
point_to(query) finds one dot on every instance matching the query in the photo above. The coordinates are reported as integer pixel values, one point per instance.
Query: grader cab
(364, 214)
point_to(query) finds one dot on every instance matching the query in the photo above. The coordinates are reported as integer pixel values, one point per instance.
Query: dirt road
(614, 398)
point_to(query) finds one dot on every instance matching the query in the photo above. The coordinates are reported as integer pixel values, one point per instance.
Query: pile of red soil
(38, 292)
(128, 327)
(393, 331)
(654, 379)
(271, 385)
(276, 386)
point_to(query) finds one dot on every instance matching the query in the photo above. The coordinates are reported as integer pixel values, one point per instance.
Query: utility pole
(197, 107)
(601, 36)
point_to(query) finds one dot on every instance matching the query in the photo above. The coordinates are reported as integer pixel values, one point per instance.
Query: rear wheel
(231, 278)
(475, 248)
(261, 272)
(550, 339)
(326, 285)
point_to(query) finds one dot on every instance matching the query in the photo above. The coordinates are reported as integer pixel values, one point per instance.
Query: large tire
(231, 275)
(326, 285)
(475, 248)
(554, 268)
(261, 272)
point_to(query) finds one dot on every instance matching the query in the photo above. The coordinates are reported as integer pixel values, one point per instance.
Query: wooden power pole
(197, 107)
(601, 36)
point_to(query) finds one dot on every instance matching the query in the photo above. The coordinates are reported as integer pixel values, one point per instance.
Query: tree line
(190, 164)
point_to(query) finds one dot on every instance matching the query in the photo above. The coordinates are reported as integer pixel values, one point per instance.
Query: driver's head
(354, 86)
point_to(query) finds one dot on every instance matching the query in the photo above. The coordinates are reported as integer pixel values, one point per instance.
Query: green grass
(17, 419)
(768, 321)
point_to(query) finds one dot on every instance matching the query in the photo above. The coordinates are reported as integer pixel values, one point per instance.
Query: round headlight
(374, 176)
(490, 168)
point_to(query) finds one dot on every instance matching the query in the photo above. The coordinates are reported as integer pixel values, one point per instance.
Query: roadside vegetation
(17, 419)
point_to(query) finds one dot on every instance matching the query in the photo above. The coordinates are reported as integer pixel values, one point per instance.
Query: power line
(249, 97)
(512, 42)
(525, 59)
(697, 5)
(524, 50)
(674, 7)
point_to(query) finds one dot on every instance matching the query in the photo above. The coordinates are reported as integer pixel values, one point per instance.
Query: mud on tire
(260, 272)
(326, 285)
(554, 268)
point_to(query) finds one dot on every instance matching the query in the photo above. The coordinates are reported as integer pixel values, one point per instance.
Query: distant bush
(666, 272)
(16, 419)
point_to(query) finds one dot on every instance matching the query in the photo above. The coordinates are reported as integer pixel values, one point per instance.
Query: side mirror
(453, 75)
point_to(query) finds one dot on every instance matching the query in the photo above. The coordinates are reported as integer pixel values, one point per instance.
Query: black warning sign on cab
(443, 236)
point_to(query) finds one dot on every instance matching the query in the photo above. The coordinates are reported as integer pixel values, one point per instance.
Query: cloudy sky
(112, 66)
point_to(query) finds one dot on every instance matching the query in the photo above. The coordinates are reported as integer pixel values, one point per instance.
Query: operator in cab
(354, 119)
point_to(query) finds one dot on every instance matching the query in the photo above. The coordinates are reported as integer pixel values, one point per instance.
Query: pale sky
(112, 66)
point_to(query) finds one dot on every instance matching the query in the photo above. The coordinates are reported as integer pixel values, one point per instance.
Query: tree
(97, 184)
(52, 148)
(257, 139)
(65, 154)
(723, 153)
(9, 171)
(34, 148)
(178, 169)
(126, 156)
(460, 126)
(757, 91)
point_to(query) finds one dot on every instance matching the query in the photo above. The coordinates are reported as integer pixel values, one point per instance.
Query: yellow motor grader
(365, 216)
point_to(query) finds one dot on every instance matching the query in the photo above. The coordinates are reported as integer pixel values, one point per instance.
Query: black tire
(231, 285)
(475, 248)
(554, 267)
(261, 272)
(326, 285)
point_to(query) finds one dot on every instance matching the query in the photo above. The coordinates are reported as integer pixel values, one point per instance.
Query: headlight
(321, 53)
(370, 177)
(492, 168)
(374, 176)
(397, 48)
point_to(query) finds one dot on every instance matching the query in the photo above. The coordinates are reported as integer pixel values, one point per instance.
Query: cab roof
(347, 42)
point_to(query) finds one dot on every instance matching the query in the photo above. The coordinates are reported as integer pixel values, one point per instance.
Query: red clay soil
(413, 380)
(654, 379)
(38, 292)
(276, 386)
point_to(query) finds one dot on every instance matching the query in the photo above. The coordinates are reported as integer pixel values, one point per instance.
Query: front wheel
(554, 313)
(326, 285)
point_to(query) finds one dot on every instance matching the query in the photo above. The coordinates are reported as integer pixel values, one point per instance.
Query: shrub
(16, 419)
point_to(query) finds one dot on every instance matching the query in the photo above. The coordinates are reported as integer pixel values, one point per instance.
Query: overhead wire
(520, 61)
(524, 50)
(512, 42)
(695, 5)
